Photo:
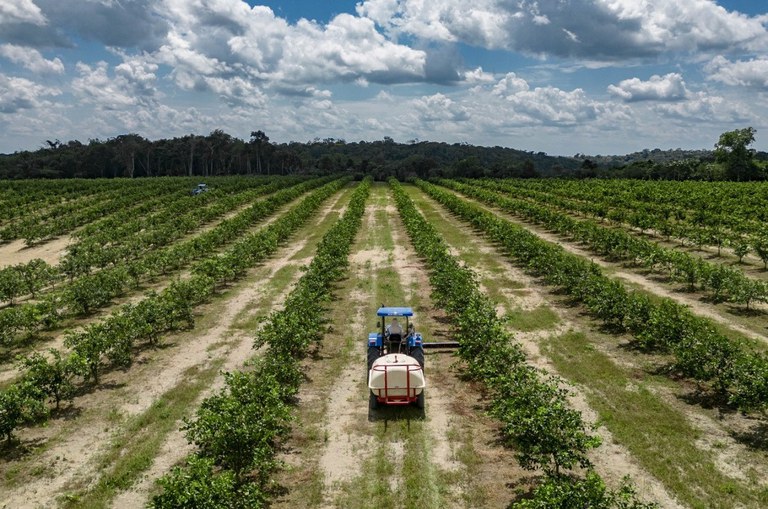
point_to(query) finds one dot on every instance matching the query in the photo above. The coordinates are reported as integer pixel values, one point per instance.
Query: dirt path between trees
(72, 447)
(330, 461)
(612, 460)
(16, 252)
(700, 308)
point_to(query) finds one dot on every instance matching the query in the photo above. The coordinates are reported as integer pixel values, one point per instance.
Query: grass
(372, 488)
(140, 439)
(396, 467)
(655, 433)
(527, 320)
(255, 313)
(494, 279)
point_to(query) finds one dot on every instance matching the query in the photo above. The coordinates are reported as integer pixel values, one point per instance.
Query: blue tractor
(395, 360)
(200, 189)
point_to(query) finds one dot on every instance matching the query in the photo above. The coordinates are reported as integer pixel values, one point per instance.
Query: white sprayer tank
(396, 378)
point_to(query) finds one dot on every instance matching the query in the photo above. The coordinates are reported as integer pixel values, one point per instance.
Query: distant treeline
(219, 153)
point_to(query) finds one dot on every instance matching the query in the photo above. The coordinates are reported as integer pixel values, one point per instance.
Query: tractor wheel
(373, 354)
(420, 400)
(418, 354)
(373, 403)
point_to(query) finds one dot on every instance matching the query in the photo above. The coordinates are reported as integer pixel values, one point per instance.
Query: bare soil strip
(342, 450)
(726, 439)
(16, 252)
(718, 313)
(62, 456)
(612, 460)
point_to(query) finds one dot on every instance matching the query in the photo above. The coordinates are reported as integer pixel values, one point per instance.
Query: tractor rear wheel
(373, 403)
(420, 400)
(373, 354)
(418, 354)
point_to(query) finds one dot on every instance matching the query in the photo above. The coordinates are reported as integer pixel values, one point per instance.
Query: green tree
(52, 377)
(732, 150)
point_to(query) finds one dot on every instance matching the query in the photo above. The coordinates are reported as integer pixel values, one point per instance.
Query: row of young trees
(64, 217)
(89, 292)
(127, 234)
(723, 214)
(238, 431)
(537, 421)
(731, 369)
(720, 281)
(114, 339)
(23, 198)
(120, 237)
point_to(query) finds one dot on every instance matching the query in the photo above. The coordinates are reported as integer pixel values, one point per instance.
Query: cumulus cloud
(345, 49)
(699, 107)
(439, 107)
(477, 76)
(31, 59)
(21, 94)
(133, 84)
(670, 87)
(522, 104)
(125, 24)
(591, 29)
(21, 11)
(228, 39)
(747, 73)
(510, 85)
(507, 102)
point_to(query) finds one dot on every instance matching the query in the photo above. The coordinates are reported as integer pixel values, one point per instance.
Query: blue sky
(559, 76)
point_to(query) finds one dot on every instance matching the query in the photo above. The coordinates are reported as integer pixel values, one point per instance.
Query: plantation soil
(16, 252)
(70, 456)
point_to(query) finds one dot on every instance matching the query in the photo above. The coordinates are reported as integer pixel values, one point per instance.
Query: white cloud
(21, 11)
(236, 91)
(21, 94)
(670, 87)
(747, 73)
(133, 84)
(439, 107)
(509, 85)
(710, 108)
(31, 59)
(346, 49)
(591, 29)
(478, 76)
(226, 39)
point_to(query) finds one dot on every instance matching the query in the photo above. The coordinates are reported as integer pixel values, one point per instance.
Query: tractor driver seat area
(395, 340)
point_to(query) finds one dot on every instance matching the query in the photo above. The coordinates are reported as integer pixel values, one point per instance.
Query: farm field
(608, 329)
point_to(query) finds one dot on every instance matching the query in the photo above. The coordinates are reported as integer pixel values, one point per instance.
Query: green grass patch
(140, 440)
(251, 317)
(373, 487)
(527, 320)
(420, 477)
(655, 433)
(316, 232)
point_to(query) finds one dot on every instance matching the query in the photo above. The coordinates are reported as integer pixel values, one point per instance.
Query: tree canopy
(732, 150)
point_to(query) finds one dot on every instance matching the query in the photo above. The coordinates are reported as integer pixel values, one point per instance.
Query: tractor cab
(395, 335)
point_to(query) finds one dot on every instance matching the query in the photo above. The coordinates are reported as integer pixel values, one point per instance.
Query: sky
(594, 77)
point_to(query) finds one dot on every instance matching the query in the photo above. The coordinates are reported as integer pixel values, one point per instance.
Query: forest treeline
(219, 153)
